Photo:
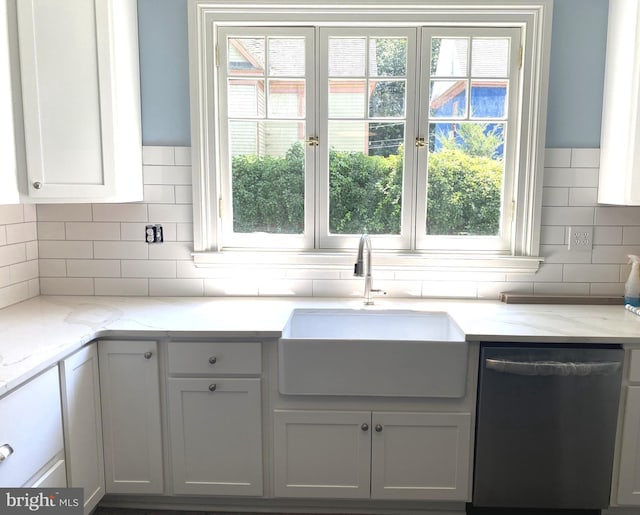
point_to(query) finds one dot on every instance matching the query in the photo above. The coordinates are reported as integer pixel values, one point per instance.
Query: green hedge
(464, 193)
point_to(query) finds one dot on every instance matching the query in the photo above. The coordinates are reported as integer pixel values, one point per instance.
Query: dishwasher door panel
(546, 426)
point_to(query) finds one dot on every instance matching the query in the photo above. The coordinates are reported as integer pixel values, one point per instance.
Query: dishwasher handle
(552, 368)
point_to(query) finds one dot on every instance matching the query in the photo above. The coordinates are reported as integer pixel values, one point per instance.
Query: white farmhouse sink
(372, 352)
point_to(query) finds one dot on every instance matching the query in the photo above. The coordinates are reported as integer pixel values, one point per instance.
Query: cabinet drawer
(31, 424)
(215, 358)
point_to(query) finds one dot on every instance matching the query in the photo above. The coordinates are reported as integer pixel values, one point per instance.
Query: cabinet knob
(5, 451)
(378, 428)
(365, 427)
(147, 355)
(37, 185)
(212, 387)
(213, 360)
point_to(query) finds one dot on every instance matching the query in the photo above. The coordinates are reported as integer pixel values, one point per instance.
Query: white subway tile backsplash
(65, 212)
(11, 214)
(183, 156)
(583, 196)
(591, 273)
(179, 213)
(617, 215)
(93, 231)
(631, 235)
(53, 267)
(552, 235)
(99, 249)
(12, 254)
(121, 249)
(124, 287)
(570, 177)
(66, 286)
(51, 231)
(167, 174)
(608, 235)
(93, 268)
(32, 250)
(585, 157)
(120, 212)
(567, 215)
(154, 155)
(20, 233)
(66, 249)
(159, 194)
(555, 196)
(557, 158)
(155, 269)
(176, 287)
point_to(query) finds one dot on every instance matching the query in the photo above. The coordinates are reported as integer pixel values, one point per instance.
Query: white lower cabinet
(31, 441)
(379, 455)
(216, 437)
(131, 423)
(629, 470)
(80, 385)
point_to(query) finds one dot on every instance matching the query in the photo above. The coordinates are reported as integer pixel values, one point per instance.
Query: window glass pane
(245, 56)
(365, 177)
(286, 98)
(449, 57)
(267, 169)
(464, 179)
(448, 99)
(347, 57)
(388, 57)
(490, 57)
(387, 98)
(246, 98)
(286, 57)
(489, 98)
(347, 98)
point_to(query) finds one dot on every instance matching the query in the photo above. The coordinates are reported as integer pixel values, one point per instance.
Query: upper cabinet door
(620, 135)
(81, 100)
(8, 184)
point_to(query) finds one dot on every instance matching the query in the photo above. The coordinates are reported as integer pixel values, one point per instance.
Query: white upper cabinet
(80, 91)
(620, 139)
(8, 171)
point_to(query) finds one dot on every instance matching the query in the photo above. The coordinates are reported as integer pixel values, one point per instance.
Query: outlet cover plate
(580, 238)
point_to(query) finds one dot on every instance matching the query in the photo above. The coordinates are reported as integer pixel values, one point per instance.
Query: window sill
(382, 260)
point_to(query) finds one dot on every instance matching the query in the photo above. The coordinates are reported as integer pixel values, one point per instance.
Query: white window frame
(532, 17)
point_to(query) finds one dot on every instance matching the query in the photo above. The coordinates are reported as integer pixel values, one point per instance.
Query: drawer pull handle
(5, 451)
(212, 387)
(147, 355)
(213, 360)
(378, 428)
(365, 427)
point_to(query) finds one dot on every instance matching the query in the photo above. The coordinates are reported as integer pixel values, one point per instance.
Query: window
(419, 126)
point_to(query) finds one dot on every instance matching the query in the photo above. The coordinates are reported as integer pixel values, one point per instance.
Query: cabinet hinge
(220, 207)
(217, 56)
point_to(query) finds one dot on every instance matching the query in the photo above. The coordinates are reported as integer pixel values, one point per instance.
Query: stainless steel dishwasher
(546, 426)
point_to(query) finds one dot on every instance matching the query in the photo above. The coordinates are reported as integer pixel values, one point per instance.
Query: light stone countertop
(39, 332)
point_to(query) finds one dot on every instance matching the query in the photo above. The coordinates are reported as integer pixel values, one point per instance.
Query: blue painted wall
(575, 81)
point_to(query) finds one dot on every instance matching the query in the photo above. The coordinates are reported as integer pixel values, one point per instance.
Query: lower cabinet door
(216, 436)
(322, 454)
(421, 456)
(131, 427)
(629, 471)
(80, 385)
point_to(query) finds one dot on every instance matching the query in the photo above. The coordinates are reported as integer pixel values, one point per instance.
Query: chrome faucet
(359, 269)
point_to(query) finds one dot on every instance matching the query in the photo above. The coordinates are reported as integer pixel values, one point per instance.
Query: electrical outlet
(580, 238)
(153, 234)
